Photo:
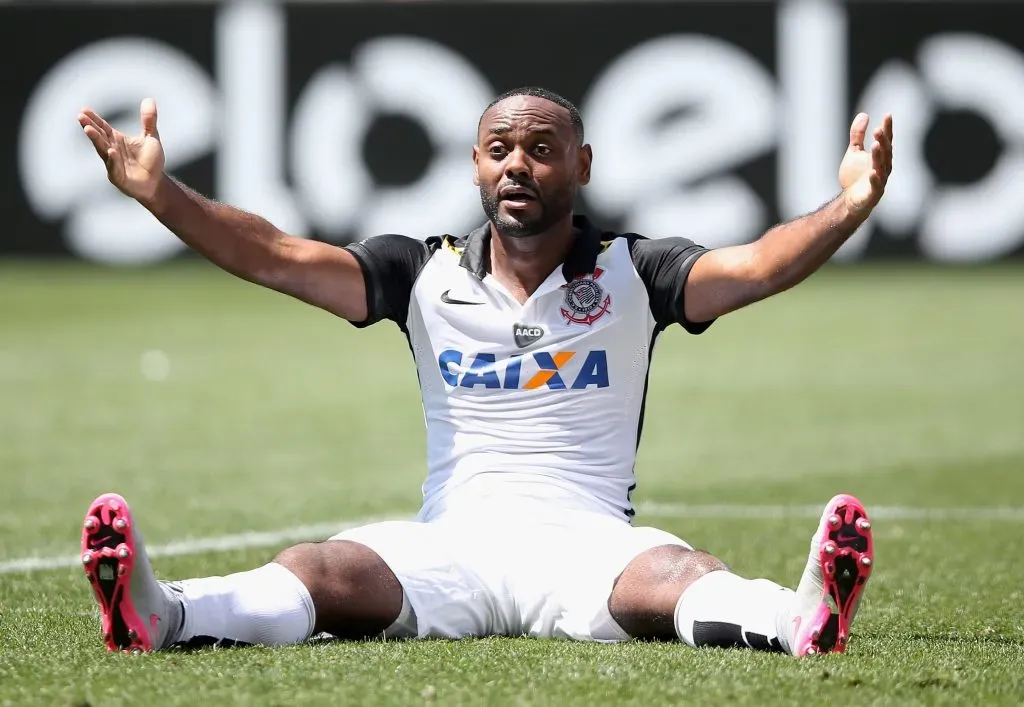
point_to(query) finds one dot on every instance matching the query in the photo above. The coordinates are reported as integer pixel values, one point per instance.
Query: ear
(476, 166)
(585, 160)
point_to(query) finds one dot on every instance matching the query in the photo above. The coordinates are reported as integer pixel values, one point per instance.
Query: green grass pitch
(902, 385)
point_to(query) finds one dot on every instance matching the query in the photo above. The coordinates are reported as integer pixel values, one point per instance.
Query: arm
(253, 249)
(241, 243)
(727, 279)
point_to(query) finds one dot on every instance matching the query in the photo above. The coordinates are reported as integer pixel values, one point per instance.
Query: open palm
(864, 173)
(135, 165)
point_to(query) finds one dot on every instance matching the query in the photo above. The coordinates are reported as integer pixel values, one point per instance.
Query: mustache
(529, 185)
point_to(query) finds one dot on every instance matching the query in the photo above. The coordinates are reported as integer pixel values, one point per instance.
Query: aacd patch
(526, 334)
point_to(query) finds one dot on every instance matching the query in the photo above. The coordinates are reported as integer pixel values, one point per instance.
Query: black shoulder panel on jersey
(390, 264)
(664, 264)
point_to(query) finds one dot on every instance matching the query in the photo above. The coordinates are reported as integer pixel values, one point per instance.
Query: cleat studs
(122, 570)
(132, 634)
(811, 650)
(830, 569)
(834, 521)
(863, 524)
(87, 558)
(830, 548)
(123, 553)
(90, 524)
(120, 524)
(865, 561)
(136, 651)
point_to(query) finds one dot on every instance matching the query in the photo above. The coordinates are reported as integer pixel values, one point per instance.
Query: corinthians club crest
(585, 299)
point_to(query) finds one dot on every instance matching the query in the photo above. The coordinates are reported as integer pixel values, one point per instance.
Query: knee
(306, 561)
(336, 567)
(678, 567)
(354, 593)
(645, 595)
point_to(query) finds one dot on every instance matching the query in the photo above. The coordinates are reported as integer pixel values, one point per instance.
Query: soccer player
(532, 338)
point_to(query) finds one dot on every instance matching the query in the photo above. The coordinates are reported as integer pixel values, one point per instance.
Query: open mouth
(516, 195)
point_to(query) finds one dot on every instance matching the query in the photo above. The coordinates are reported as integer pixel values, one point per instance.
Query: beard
(550, 210)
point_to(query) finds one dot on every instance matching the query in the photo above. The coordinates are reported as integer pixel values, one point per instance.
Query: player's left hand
(863, 173)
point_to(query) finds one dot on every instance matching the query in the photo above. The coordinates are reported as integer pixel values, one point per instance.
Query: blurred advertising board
(338, 121)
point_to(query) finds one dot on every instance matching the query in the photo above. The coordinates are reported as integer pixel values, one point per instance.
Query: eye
(542, 150)
(497, 150)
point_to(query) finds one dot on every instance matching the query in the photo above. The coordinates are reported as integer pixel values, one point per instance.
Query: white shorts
(546, 579)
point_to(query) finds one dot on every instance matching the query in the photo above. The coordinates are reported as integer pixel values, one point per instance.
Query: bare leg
(354, 593)
(337, 587)
(670, 589)
(671, 592)
(643, 601)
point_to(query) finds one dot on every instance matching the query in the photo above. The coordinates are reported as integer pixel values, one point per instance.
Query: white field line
(221, 543)
(682, 510)
(319, 531)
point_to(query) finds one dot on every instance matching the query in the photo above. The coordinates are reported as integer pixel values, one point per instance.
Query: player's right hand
(135, 165)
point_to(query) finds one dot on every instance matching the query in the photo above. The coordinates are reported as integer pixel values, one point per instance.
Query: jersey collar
(581, 259)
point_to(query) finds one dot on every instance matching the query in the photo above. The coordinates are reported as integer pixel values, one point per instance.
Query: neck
(522, 264)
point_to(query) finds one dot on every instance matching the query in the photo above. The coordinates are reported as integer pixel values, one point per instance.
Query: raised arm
(726, 279)
(241, 243)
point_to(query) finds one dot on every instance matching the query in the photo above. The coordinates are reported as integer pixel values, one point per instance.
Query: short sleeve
(664, 264)
(390, 265)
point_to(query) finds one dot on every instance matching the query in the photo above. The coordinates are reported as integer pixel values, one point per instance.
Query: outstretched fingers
(879, 169)
(887, 130)
(877, 180)
(115, 164)
(883, 143)
(96, 136)
(101, 125)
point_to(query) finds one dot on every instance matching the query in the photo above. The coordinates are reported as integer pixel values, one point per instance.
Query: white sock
(723, 609)
(266, 606)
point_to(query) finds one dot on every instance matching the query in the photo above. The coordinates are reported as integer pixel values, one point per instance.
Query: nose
(516, 165)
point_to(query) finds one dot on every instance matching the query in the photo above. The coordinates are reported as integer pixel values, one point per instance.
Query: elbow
(271, 265)
(769, 277)
(772, 283)
(762, 278)
(780, 280)
(763, 284)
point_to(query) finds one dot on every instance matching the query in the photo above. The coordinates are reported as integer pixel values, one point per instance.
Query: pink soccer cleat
(840, 564)
(137, 611)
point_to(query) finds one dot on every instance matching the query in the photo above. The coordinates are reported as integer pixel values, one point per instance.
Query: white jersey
(540, 405)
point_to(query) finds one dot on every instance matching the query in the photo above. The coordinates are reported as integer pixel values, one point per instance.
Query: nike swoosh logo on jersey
(448, 300)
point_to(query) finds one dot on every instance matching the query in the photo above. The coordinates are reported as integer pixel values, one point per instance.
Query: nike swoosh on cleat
(448, 300)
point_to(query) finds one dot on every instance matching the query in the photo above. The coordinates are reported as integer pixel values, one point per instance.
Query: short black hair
(574, 113)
